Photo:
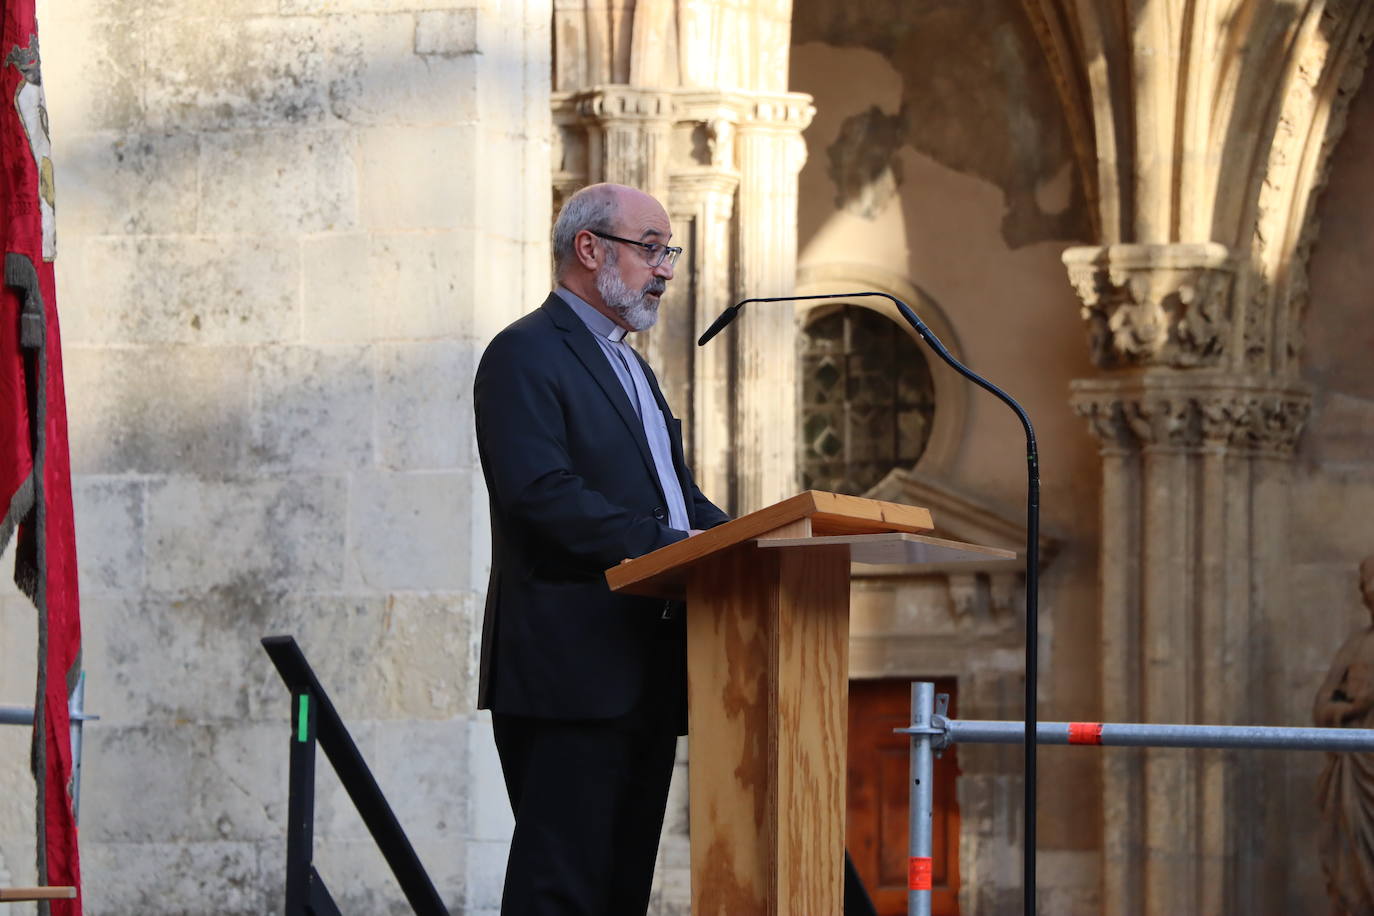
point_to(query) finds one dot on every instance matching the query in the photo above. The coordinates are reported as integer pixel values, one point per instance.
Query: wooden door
(878, 794)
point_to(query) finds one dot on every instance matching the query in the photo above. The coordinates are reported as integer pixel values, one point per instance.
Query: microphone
(719, 324)
(1032, 551)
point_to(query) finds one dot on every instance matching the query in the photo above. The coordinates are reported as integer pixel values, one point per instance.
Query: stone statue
(1346, 789)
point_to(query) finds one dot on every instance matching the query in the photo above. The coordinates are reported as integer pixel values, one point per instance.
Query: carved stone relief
(1154, 305)
(1192, 412)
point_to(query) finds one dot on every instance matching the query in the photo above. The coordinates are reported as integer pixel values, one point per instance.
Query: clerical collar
(595, 321)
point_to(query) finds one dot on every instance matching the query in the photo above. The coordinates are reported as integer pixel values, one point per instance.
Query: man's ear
(587, 250)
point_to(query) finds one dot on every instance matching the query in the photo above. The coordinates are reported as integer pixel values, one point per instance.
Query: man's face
(628, 285)
(637, 309)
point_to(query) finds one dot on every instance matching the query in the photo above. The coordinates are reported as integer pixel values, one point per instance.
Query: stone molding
(1155, 305)
(721, 116)
(1193, 412)
(628, 103)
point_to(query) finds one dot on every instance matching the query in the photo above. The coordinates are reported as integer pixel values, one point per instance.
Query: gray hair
(593, 208)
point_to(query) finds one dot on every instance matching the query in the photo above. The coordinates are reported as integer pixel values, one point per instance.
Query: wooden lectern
(768, 688)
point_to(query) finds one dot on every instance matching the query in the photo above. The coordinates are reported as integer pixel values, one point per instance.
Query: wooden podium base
(768, 688)
(768, 684)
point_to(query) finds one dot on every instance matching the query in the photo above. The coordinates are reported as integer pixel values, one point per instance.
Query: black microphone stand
(1032, 548)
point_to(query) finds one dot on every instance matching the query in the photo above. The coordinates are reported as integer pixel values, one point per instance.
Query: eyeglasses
(654, 253)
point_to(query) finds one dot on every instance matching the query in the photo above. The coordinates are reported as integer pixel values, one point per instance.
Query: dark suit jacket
(573, 491)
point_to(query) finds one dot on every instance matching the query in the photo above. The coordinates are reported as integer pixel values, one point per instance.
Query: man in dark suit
(584, 467)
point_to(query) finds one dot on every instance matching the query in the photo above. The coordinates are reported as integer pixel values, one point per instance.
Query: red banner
(35, 468)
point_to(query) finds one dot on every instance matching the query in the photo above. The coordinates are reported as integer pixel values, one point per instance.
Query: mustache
(656, 285)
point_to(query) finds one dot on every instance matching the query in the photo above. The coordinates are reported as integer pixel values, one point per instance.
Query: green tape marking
(303, 720)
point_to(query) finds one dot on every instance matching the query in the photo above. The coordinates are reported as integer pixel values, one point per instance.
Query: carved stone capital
(1154, 305)
(1188, 411)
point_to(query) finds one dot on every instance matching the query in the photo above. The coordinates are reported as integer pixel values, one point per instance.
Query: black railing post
(300, 804)
(315, 719)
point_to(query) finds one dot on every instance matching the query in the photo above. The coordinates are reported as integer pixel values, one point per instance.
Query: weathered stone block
(265, 182)
(360, 881)
(424, 404)
(265, 72)
(312, 408)
(491, 288)
(338, 303)
(192, 659)
(184, 290)
(241, 779)
(491, 817)
(136, 782)
(422, 284)
(498, 194)
(423, 658)
(486, 873)
(398, 656)
(17, 843)
(405, 531)
(125, 419)
(303, 7)
(102, 59)
(404, 286)
(267, 533)
(401, 84)
(19, 624)
(201, 9)
(416, 765)
(137, 184)
(446, 33)
(109, 533)
(340, 637)
(17, 791)
(412, 177)
(174, 879)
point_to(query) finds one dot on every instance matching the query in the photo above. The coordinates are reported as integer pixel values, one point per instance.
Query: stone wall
(286, 228)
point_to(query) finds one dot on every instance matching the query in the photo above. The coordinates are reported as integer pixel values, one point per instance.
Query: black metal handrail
(314, 719)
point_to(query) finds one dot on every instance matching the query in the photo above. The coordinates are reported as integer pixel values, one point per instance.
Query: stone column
(1195, 456)
(705, 200)
(770, 155)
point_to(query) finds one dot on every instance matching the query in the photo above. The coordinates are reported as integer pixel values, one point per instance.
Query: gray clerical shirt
(611, 338)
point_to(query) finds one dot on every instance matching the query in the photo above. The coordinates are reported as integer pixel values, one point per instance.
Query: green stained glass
(867, 400)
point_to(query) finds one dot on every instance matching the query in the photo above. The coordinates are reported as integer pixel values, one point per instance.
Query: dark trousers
(589, 799)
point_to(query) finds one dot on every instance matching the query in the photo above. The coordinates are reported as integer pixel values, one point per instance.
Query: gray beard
(636, 309)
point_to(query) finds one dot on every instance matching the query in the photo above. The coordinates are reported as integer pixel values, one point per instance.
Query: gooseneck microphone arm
(1032, 546)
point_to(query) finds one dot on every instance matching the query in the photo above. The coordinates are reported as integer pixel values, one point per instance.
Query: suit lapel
(579, 339)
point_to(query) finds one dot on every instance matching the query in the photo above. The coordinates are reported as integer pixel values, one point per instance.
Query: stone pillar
(705, 200)
(770, 154)
(1195, 456)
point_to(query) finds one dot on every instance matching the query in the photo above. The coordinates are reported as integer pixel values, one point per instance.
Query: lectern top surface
(813, 513)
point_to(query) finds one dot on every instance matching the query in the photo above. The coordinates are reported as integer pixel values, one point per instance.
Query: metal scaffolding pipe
(932, 731)
(1137, 735)
(921, 809)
